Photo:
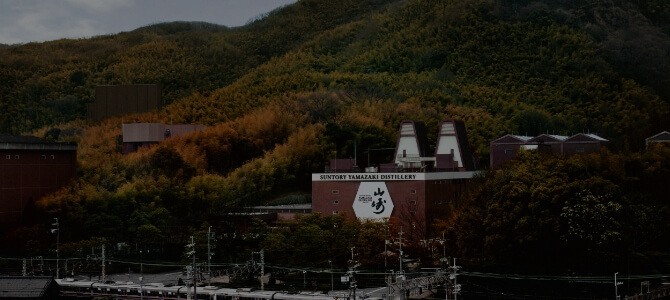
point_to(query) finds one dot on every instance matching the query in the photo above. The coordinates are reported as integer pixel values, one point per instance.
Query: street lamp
(57, 230)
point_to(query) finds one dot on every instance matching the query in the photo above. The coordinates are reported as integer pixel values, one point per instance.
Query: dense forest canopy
(322, 79)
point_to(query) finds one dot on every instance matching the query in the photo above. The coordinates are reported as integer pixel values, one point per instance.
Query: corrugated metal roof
(522, 137)
(24, 287)
(558, 137)
(595, 137)
(663, 136)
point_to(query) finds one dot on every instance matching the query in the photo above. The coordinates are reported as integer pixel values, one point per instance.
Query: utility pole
(452, 276)
(332, 285)
(262, 266)
(210, 236)
(616, 286)
(352, 278)
(57, 229)
(141, 275)
(262, 269)
(103, 262)
(193, 273)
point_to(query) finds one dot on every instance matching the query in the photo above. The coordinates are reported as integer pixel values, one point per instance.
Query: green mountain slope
(49, 83)
(318, 80)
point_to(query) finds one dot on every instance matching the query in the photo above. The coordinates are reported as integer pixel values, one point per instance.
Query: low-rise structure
(146, 134)
(663, 137)
(506, 147)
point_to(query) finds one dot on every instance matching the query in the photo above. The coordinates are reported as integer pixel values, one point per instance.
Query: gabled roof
(663, 136)
(25, 287)
(586, 137)
(512, 139)
(548, 138)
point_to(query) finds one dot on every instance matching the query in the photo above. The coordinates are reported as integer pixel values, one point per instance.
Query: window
(509, 151)
(53, 157)
(412, 212)
(336, 191)
(8, 157)
(16, 156)
(336, 201)
(335, 212)
(580, 150)
(412, 202)
(412, 191)
(44, 157)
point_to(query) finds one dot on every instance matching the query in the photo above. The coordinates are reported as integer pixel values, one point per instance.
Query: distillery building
(30, 168)
(414, 189)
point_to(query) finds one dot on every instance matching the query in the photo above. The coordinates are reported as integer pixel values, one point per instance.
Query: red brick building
(415, 189)
(30, 168)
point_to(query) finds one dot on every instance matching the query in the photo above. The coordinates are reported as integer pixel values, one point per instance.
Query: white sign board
(373, 201)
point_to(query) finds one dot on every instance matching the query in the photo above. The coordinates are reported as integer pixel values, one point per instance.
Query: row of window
(18, 157)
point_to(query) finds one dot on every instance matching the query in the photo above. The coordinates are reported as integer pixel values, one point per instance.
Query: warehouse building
(30, 168)
(506, 147)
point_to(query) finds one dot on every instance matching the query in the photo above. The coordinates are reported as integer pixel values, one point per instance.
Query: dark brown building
(505, 148)
(663, 137)
(117, 100)
(30, 168)
(415, 190)
(582, 143)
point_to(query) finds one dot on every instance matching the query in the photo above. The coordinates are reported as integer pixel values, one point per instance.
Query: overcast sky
(24, 21)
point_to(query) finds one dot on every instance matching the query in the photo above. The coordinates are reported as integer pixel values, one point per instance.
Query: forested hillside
(307, 82)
